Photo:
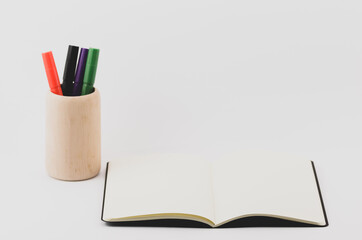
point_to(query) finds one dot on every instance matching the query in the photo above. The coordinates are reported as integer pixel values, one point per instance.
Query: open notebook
(251, 189)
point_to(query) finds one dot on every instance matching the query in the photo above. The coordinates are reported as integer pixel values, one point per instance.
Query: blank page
(163, 184)
(256, 183)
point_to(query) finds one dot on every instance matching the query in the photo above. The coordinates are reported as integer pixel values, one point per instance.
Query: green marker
(90, 71)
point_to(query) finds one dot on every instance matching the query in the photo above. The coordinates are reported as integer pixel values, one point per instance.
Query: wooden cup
(73, 136)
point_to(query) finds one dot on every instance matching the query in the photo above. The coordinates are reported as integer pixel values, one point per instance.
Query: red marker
(52, 73)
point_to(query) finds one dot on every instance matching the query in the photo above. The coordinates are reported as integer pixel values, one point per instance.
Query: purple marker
(78, 80)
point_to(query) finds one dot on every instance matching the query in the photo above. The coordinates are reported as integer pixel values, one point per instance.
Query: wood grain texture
(73, 136)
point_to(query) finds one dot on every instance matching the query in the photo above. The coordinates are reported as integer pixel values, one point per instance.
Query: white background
(198, 77)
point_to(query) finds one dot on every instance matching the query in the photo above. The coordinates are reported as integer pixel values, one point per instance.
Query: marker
(69, 70)
(90, 71)
(79, 75)
(52, 73)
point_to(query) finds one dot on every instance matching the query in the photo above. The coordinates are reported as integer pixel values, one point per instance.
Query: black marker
(69, 70)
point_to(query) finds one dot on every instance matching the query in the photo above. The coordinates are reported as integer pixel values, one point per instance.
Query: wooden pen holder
(73, 136)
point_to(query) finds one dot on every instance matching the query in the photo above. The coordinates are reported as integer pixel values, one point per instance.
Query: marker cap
(79, 75)
(52, 73)
(69, 69)
(90, 71)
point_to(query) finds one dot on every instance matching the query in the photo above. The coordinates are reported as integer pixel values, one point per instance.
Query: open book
(251, 189)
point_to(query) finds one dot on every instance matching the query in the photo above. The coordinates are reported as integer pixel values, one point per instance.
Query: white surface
(206, 77)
